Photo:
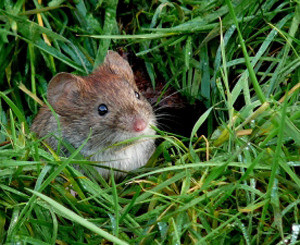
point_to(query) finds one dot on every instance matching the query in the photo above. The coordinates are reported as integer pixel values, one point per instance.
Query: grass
(234, 182)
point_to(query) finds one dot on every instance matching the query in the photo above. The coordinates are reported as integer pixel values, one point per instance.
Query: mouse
(106, 106)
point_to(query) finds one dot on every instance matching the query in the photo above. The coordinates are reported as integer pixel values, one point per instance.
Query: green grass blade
(15, 109)
(252, 75)
(108, 28)
(76, 218)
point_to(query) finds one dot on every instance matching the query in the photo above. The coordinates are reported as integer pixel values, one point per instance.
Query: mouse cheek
(139, 125)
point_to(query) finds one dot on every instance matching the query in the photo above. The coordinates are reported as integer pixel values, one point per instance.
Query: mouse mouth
(135, 136)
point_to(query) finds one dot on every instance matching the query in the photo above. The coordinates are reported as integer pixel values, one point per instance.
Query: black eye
(137, 95)
(102, 109)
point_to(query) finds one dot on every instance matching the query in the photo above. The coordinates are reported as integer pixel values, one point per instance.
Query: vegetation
(236, 182)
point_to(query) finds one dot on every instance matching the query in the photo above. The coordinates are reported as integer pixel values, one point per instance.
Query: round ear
(61, 87)
(119, 66)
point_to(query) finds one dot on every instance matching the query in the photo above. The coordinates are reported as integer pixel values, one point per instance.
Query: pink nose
(139, 125)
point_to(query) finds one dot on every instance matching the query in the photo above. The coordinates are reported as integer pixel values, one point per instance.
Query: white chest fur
(126, 158)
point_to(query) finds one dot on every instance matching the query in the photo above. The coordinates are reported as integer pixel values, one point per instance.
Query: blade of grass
(16, 110)
(292, 31)
(29, 206)
(252, 75)
(76, 218)
(31, 33)
(197, 125)
(108, 28)
(243, 81)
(116, 205)
(273, 184)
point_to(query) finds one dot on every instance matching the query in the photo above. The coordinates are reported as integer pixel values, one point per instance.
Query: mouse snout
(139, 124)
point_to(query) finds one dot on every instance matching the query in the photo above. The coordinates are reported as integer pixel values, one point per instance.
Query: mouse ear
(62, 86)
(119, 65)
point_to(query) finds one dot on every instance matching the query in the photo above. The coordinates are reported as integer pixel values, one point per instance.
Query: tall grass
(236, 182)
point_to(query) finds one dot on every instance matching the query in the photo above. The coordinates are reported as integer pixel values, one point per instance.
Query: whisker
(167, 119)
(157, 110)
(172, 94)
(163, 127)
(163, 107)
(167, 97)
(163, 114)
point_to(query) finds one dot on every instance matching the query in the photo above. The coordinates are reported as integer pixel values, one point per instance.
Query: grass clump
(236, 181)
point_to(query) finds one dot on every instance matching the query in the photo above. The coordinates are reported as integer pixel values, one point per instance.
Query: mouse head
(106, 102)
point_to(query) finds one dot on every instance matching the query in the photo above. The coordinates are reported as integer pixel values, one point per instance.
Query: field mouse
(106, 103)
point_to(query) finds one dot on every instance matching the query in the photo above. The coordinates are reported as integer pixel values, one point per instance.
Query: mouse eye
(102, 109)
(137, 95)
